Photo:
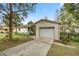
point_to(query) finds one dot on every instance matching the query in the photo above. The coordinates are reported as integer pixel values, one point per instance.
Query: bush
(1, 32)
(23, 34)
(22, 38)
(65, 37)
(75, 37)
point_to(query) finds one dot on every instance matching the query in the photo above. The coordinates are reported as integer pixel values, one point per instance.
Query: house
(4, 29)
(29, 28)
(77, 29)
(22, 29)
(47, 29)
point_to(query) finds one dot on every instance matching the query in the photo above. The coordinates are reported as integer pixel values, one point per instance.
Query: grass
(2, 35)
(17, 39)
(57, 50)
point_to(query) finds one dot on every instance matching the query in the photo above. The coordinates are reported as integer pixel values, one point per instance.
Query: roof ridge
(47, 21)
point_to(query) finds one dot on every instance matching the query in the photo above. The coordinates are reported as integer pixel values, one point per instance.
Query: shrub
(17, 33)
(75, 37)
(65, 37)
(21, 36)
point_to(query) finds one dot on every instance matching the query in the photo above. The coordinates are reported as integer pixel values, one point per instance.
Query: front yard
(18, 39)
(57, 50)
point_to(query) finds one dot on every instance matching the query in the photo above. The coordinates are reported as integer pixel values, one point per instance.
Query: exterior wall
(57, 32)
(3, 30)
(47, 24)
(22, 30)
(77, 30)
(14, 30)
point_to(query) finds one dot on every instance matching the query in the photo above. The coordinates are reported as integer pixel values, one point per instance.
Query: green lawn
(2, 35)
(57, 50)
(17, 39)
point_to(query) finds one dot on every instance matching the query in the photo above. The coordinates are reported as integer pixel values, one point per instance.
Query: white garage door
(47, 32)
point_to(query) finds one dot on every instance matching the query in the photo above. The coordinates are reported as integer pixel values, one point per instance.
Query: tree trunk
(16, 27)
(10, 23)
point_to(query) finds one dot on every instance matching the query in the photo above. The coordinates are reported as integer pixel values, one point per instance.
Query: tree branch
(20, 10)
(3, 8)
(2, 13)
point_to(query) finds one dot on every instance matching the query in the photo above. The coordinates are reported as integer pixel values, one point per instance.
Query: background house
(77, 29)
(22, 29)
(28, 28)
(4, 29)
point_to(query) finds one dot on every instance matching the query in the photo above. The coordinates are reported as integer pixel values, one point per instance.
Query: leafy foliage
(75, 37)
(65, 37)
(31, 28)
(12, 11)
(69, 19)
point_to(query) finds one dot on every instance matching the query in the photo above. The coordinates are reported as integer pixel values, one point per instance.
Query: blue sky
(42, 10)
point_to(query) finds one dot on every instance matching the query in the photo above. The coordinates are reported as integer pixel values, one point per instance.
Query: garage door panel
(47, 33)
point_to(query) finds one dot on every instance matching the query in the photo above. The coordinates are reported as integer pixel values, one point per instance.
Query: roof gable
(46, 21)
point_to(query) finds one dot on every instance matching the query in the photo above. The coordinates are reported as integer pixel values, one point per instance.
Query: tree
(69, 15)
(17, 21)
(31, 27)
(67, 21)
(10, 9)
(73, 9)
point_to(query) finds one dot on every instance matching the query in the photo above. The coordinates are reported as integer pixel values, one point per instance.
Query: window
(5, 29)
(46, 27)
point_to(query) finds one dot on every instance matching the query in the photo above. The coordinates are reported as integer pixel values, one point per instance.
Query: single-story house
(47, 29)
(77, 29)
(22, 29)
(4, 29)
(28, 28)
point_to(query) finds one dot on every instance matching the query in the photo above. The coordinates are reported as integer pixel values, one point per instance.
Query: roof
(47, 21)
(24, 26)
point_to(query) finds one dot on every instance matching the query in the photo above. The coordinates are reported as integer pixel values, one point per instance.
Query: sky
(43, 10)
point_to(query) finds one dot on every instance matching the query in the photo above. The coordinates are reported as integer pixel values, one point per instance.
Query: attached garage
(47, 29)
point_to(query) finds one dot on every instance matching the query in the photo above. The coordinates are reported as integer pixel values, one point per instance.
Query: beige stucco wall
(22, 30)
(47, 24)
(3, 30)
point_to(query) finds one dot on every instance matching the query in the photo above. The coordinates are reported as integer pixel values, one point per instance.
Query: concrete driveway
(32, 48)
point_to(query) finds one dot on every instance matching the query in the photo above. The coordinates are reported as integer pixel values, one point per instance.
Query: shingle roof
(22, 26)
(46, 21)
